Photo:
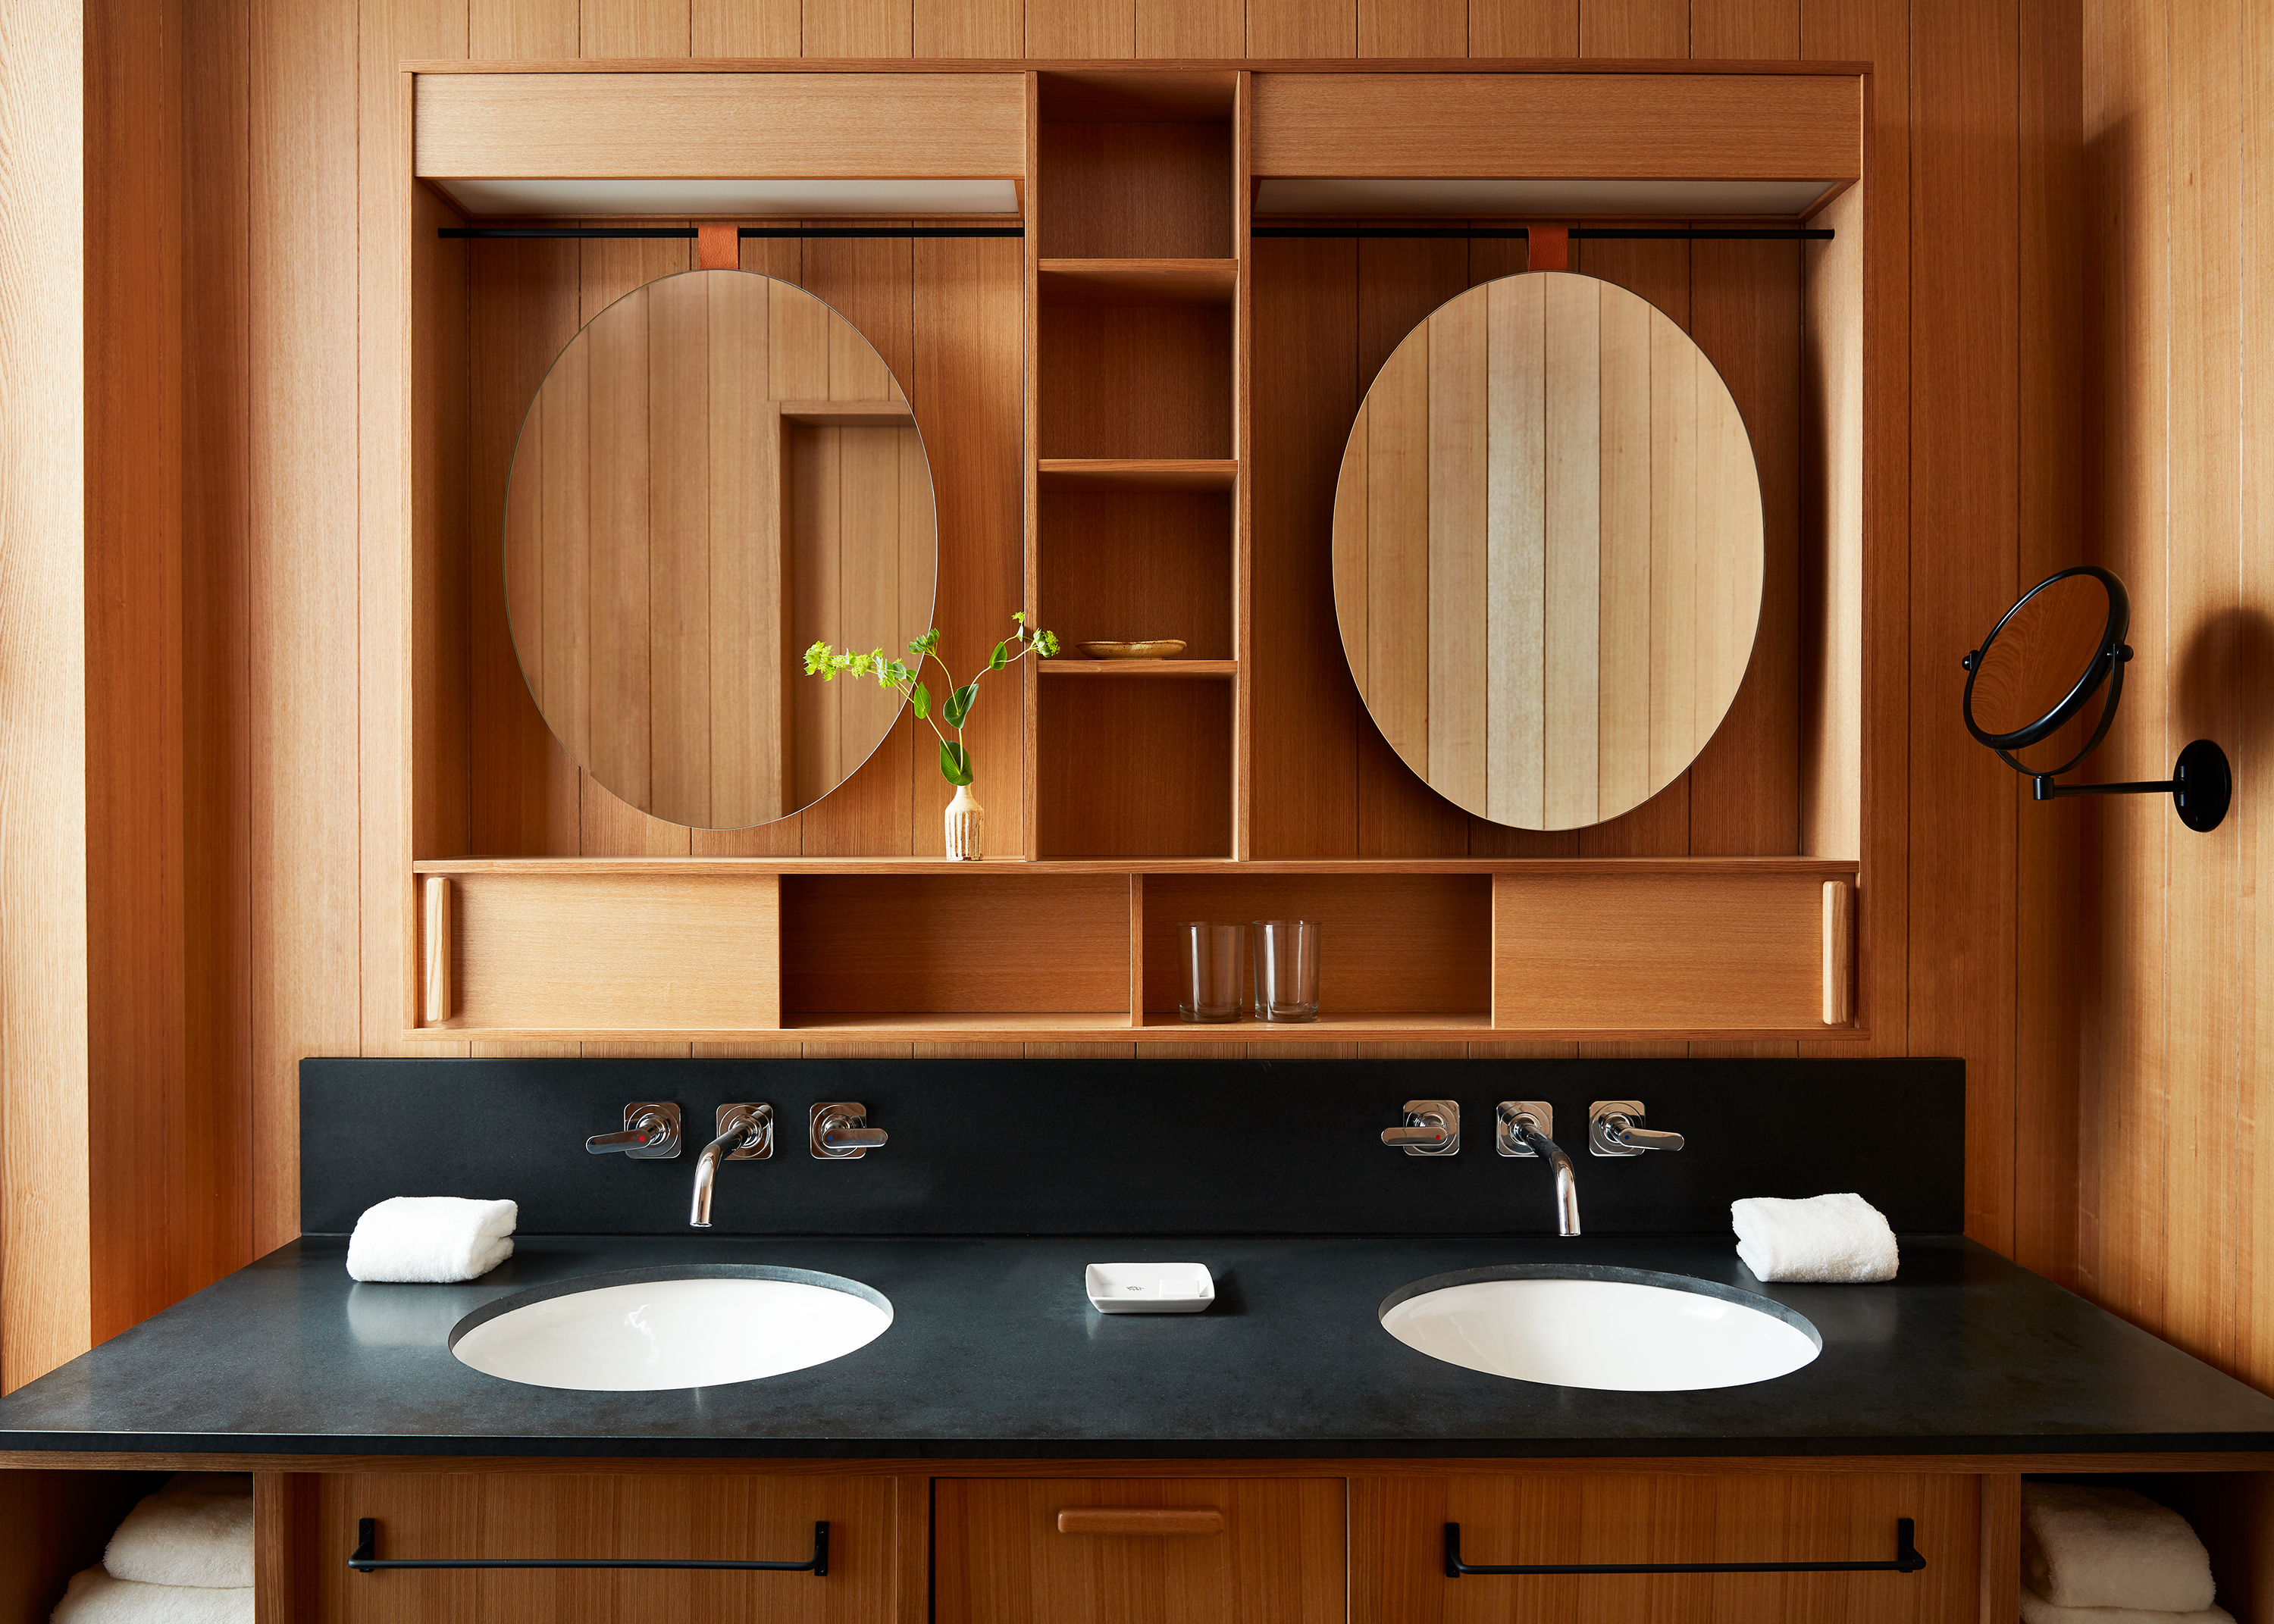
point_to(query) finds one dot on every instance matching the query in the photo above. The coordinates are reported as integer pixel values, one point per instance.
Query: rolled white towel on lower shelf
(1842, 1239)
(431, 1239)
(2037, 1610)
(96, 1598)
(197, 1531)
(2088, 1547)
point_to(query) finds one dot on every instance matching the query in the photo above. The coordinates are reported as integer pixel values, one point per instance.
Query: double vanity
(874, 1387)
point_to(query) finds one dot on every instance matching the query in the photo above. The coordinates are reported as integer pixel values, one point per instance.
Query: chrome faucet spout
(1522, 1127)
(743, 1131)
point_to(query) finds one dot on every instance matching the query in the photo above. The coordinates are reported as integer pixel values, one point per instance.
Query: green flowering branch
(828, 664)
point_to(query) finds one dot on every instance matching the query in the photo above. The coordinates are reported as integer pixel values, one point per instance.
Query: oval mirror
(2046, 657)
(1547, 550)
(717, 471)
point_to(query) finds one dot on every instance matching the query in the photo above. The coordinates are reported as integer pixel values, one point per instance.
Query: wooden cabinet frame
(1836, 784)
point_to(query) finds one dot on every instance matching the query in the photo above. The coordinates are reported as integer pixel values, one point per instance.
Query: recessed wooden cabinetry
(1397, 1547)
(1135, 418)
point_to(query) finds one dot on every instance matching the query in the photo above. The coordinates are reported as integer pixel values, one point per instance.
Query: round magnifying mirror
(2045, 659)
(718, 472)
(1547, 550)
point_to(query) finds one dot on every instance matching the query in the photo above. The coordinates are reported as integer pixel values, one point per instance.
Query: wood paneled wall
(2176, 1198)
(294, 317)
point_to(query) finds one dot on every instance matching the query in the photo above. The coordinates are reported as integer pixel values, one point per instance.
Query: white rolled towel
(96, 1598)
(1839, 1238)
(197, 1531)
(431, 1239)
(2037, 1610)
(2083, 1546)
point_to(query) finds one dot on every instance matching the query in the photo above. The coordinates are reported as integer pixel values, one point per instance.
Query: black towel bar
(1906, 1560)
(367, 1557)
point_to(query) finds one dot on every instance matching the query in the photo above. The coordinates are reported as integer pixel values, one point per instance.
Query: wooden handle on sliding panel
(1140, 1520)
(1839, 940)
(436, 1001)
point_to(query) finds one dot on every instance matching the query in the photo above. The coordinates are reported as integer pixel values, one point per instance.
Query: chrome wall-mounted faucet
(839, 1131)
(1614, 1129)
(650, 1131)
(745, 1133)
(1523, 1126)
(1431, 1127)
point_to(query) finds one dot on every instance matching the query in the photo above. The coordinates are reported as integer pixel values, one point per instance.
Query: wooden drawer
(999, 1556)
(1397, 1558)
(876, 1575)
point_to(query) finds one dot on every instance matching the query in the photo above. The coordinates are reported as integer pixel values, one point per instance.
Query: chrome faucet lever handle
(1614, 1129)
(650, 1133)
(839, 1131)
(1433, 1128)
(745, 1133)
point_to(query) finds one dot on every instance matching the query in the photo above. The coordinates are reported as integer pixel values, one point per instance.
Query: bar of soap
(1148, 1288)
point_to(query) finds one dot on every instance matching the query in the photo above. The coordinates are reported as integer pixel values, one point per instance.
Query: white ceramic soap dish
(1148, 1288)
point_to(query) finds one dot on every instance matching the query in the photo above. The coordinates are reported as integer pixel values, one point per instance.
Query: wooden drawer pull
(1140, 1520)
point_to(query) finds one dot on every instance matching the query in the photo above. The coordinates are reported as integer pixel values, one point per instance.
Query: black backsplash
(1133, 1147)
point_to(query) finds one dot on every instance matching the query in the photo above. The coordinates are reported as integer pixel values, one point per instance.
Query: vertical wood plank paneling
(43, 967)
(2209, 1254)
(961, 27)
(882, 28)
(1081, 27)
(1302, 28)
(2125, 1118)
(1962, 799)
(1172, 28)
(1524, 28)
(303, 577)
(217, 893)
(2253, 749)
(1634, 28)
(606, 29)
(523, 30)
(145, 1233)
(746, 28)
(1412, 27)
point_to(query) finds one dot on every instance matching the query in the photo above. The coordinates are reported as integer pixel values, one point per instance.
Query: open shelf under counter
(1112, 474)
(1138, 281)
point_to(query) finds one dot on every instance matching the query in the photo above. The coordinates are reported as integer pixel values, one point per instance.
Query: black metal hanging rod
(1691, 234)
(366, 1559)
(688, 232)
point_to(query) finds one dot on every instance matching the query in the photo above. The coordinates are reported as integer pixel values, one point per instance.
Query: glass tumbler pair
(1281, 956)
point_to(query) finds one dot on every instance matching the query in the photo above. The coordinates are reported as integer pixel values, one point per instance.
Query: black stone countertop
(994, 1351)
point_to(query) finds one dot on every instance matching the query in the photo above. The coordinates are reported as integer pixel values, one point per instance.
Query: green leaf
(998, 662)
(955, 764)
(920, 698)
(958, 704)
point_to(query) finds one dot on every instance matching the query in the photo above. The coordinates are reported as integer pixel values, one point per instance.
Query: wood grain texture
(817, 126)
(53, 1525)
(753, 1518)
(602, 952)
(1685, 953)
(1799, 126)
(1000, 1555)
(1397, 1548)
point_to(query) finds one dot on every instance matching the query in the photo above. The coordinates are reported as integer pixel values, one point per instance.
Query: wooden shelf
(1138, 474)
(850, 414)
(1823, 868)
(1154, 668)
(1138, 281)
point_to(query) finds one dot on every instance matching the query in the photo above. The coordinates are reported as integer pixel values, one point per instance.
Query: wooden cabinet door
(875, 1568)
(1398, 1547)
(1274, 1555)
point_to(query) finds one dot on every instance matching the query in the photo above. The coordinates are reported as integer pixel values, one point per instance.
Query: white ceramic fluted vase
(966, 826)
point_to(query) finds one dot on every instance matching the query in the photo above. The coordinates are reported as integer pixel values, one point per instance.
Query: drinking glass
(1212, 955)
(1286, 972)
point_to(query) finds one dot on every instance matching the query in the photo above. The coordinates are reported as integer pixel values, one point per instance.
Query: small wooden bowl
(1155, 648)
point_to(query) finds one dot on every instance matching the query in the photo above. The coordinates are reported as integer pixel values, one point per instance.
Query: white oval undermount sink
(1619, 1329)
(647, 1329)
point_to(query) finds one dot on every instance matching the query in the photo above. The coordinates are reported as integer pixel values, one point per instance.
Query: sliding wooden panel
(802, 125)
(1602, 125)
(599, 953)
(1677, 953)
